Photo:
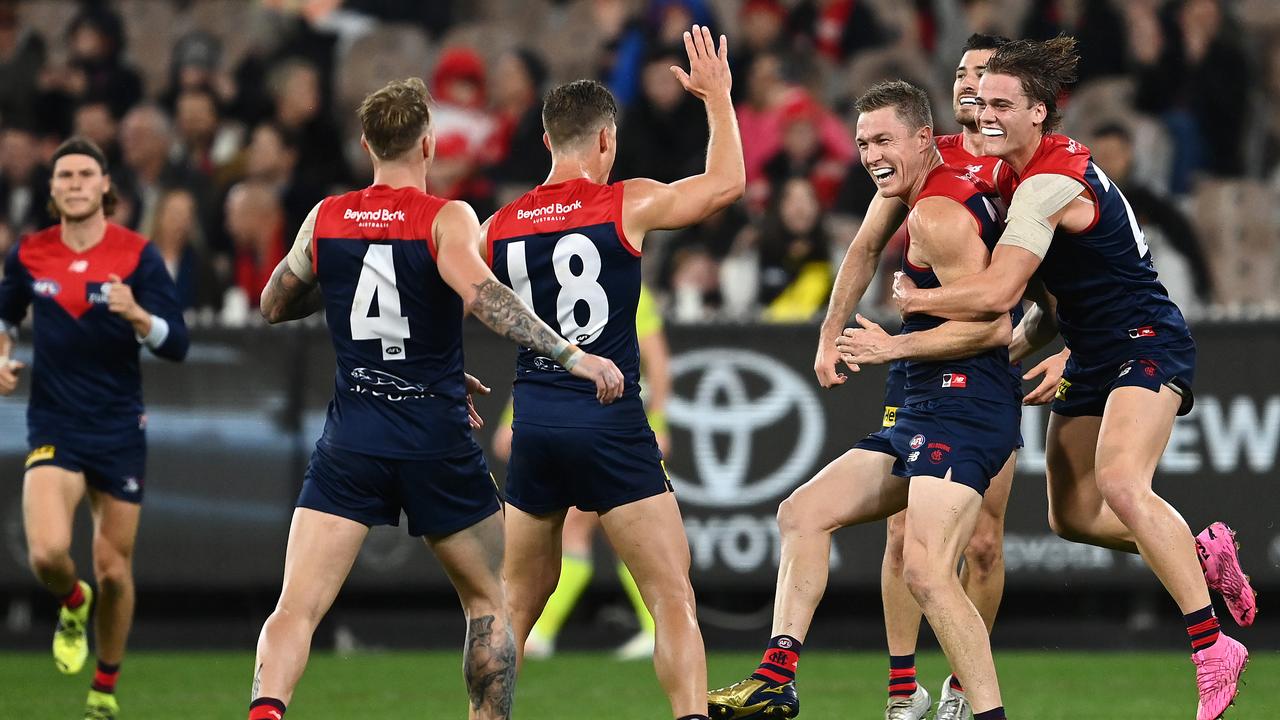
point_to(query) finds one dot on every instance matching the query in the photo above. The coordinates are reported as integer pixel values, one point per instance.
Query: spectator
(96, 40)
(205, 143)
(837, 29)
(177, 238)
(22, 55)
(1174, 246)
(690, 266)
(93, 119)
(795, 258)
(663, 134)
(296, 92)
(455, 174)
(24, 183)
(146, 140)
(1095, 24)
(271, 158)
(196, 62)
(521, 160)
(459, 88)
(255, 222)
(762, 24)
(1194, 75)
(805, 153)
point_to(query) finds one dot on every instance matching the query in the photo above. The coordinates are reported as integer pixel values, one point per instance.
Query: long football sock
(575, 573)
(73, 599)
(637, 602)
(902, 675)
(104, 678)
(266, 708)
(1202, 628)
(780, 661)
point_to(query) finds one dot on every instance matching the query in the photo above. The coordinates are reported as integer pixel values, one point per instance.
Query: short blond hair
(395, 116)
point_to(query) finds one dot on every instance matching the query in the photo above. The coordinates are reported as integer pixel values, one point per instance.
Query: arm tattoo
(289, 297)
(506, 314)
(489, 666)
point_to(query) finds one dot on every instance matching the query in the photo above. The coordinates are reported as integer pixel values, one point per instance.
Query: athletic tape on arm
(1034, 202)
(299, 257)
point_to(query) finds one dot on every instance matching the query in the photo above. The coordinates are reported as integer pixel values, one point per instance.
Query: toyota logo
(723, 412)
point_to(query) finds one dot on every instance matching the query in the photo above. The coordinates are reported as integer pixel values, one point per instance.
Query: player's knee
(1066, 525)
(48, 559)
(893, 545)
(923, 577)
(984, 553)
(795, 517)
(113, 573)
(1121, 487)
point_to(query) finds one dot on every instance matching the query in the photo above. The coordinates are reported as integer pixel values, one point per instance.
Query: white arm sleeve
(299, 257)
(1034, 202)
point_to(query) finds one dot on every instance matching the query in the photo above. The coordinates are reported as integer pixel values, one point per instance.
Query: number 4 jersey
(561, 247)
(396, 326)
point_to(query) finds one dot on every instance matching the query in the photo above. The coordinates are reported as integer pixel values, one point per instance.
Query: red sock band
(75, 598)
(266, 709)
(105, 676)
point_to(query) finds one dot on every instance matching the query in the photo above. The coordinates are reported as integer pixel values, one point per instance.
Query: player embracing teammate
(1132, 356)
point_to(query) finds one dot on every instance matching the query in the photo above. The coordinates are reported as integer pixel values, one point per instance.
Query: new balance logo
(955, 380)
(78, 266)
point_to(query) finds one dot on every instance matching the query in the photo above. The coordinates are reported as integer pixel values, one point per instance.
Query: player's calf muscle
(490, 665)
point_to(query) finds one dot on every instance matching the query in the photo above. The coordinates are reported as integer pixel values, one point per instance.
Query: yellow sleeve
(804, 297)
(648, 319)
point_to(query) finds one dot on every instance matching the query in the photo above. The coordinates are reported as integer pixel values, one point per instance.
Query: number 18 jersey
(562, 249)
(396, 326)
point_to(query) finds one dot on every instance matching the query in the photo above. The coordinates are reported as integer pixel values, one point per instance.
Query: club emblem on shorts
(955, 380)
(936, 456)
(40, 454)
(1063, 385)
(917, 442)
(131, 486)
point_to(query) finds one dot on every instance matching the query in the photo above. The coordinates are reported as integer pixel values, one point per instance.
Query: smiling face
(1009, 121)
(77, 187)
(893, 153)
(964, 92)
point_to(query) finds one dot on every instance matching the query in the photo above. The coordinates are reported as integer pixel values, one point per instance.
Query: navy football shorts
(114, 463)
(1086, 384)
(878, 441)
(594, 469)
(969, 438)
(439, 495)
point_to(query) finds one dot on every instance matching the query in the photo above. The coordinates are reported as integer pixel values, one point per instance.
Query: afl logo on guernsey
(44, 287)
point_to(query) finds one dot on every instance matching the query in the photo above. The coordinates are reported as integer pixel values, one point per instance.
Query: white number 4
(1138, 237)
(378, 277)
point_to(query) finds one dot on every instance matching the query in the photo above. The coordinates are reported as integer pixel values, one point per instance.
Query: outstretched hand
(708, 74)
(868, 344)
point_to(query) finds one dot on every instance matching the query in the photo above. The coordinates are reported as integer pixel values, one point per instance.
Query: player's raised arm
(1038, 206)
(498, 307)
(884, 216)
(292, 293)
(651, 205)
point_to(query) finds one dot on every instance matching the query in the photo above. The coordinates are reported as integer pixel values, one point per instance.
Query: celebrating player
(956, 429)
(1132, 356)
(571, 248)
(983, 571)
(99, 292)
(394, 267)
(580, 527)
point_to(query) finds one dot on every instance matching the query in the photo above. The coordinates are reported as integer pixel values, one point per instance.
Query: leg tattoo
(257, 684)
(489, 666)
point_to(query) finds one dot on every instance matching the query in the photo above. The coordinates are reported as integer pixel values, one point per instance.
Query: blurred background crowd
(222, 139)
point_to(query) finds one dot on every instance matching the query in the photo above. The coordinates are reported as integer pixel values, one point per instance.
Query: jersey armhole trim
(431, 234)
(489, 237)
(618, 206)
(315, 239)
(906, 257)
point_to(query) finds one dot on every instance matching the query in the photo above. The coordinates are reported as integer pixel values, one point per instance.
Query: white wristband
(159, 333)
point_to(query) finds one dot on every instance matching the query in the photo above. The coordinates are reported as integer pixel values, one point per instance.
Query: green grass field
(1038, 686)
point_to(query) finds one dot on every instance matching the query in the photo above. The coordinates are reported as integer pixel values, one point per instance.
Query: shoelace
(951, 708)
(72, 630)
(899, 709)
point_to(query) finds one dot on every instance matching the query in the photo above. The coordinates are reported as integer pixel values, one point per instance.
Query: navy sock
(778, 666)
(1202, 628)
(992, 714)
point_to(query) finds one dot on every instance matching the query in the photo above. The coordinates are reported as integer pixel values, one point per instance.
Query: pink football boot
(1218, 670)
(1217, 547)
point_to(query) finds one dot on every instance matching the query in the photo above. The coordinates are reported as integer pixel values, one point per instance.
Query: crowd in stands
(225, 121)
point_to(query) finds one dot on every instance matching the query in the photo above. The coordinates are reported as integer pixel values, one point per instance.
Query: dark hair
(1043, 68)
(980, 41)
(291, 139)
(575, 110)
(394, 117)
(1113, 129)
(908, 101)
(79, 145)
